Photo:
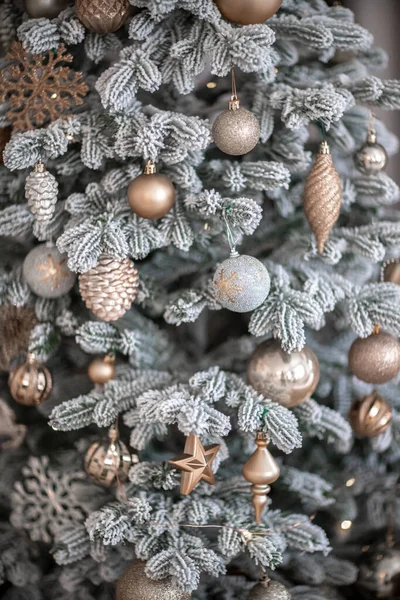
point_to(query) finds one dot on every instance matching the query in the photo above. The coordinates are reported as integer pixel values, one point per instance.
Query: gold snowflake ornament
(38, 88)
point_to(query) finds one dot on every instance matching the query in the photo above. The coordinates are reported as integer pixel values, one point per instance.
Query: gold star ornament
(195, 463)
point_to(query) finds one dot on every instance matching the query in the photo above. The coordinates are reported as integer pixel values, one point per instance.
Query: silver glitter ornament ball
(241, 283)
(48, 9)
(236, 131)
(270, 590)
(372, 157)
(379, 574)
(46, 272)
(135, 585)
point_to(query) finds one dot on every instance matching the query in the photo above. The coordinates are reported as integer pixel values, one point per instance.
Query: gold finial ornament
(261, 470)
(322, 196)
(370, 416)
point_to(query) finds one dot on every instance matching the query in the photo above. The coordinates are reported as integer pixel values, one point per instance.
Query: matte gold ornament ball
(288, 379)
(151, 195)
(370, 416)
(375, 359)
(102, 370)
(391, 272)
(135, 585)
(269, 590)
(48, 9)
(371, 157)
(236, 131)
(101, 16)
(248, 12)
(379, 573)
(46, 272)
(30, 383)
(108, 462)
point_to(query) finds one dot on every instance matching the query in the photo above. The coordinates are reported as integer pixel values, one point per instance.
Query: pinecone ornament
(110, 287)
(41, 191)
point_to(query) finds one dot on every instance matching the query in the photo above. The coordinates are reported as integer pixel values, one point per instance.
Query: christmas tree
(200, 298)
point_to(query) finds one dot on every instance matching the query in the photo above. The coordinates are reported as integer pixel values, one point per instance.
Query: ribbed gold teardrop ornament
(322, 196)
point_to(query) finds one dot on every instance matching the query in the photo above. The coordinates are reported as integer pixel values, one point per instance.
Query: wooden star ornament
(195, 463)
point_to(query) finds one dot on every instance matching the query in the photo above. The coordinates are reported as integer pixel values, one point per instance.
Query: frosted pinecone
(110, 287)
(41, 190)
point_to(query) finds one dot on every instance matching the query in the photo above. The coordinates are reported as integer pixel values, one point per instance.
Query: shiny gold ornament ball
(375, 359)
(370, 416)
(288, 379)
(270, 590)
(101, 16)
(30, 383)
(379, 574)
(248, 12)
(371, 157)
(48, 9)
(108, 462)
(236, 131)
(135, 585)
(322, 196)
(102, 370)
(391, 272)
(151, 195)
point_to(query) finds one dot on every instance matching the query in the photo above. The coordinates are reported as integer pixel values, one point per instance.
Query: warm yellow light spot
(206, 226)
(365, 549)
(345, 525)
(350, 482)
(54, 95)
(211, 85)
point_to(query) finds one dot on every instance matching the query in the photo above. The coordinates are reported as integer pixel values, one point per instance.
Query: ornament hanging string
(234, 90)
(232, 240)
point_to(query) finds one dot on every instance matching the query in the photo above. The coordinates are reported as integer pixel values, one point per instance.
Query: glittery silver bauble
(41, 191)
(135, 585)
(236, 131)
(108, 462)
(375, 359)
(102, 16)
(47, 273)
(269, 590)
(288, 379)
(372, 157)
(241, 283)
(48, 9)
(379, 573)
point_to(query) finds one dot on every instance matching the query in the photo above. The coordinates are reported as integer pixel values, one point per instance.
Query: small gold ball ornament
(375, 359)
(236, 131)
(48, 9)
(370, 416)
(102, 370)
(371, 157)
(288, 379)
(135, 585)
(248, 12)
(108, 462)
(269, 590)
(30, 383)
(379, 573)
(391, 272)
(100, 16)
(151, 195)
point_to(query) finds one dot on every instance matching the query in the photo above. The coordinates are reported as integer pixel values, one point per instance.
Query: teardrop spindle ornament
(322, 196)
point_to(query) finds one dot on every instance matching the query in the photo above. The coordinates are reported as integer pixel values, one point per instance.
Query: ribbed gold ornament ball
(370, 416)
(102, 370)
(135, 585)
(288, 379)
(48, 9)
(236, 131)
(30, 383)
(108, 461)
(151, 195)
(248, 12)
(101, 16)
(375, 359)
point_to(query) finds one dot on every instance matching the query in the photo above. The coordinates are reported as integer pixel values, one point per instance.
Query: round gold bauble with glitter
(102, 16)
(379, 573)
(151, 195)
(102, 370)
(391, 272)
(269, 590)
(375, 359)
(109, 288)
(236, 131)
(48, 9)
(371, 157)
(322, 196)
(248, 12)
(30, 383)
(108, 461)
(46, 272)
(5, 136)
(370, 416)
(288, 379)
(135, 585)
(241, 283)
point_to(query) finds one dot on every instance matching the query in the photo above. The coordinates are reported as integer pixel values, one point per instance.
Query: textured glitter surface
(322, 197)
(272, 591)
(46, 272)
(134, 585)
(236, 132)
(288, 379)
(375, 359)
(371, 158)
(241, 283)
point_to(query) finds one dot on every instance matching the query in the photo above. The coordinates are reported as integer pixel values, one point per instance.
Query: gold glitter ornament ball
(46, 272)
(108, 462)
(370, 416)
(135, 585)
(248, 12)
(236, 131)
(30, 383)
(288, 379)
(48, 9)
(102, 370)
(151, 195)
(269, 590)
(379, 573)
(375, 359)
(102, 16)
(241, 283)
(371, 157)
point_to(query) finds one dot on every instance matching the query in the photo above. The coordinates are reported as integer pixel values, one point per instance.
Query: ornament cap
(40, 167)
(372, 136)
(234, 103)
(150, 168)
(324, 148)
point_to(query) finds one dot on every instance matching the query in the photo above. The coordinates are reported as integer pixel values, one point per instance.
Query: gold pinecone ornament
(30, 383)
(322, 196)
(109, 288)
